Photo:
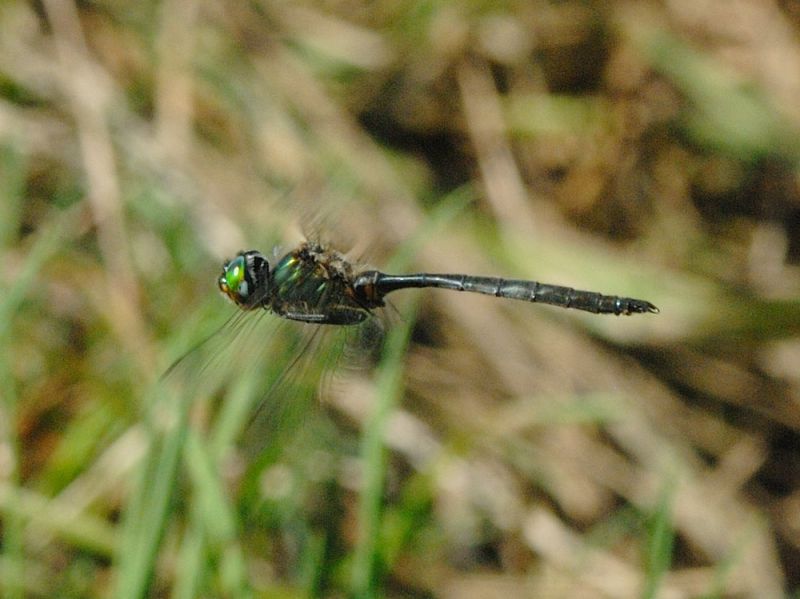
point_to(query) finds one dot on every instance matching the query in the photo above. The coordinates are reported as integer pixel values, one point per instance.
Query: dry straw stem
(641, 149)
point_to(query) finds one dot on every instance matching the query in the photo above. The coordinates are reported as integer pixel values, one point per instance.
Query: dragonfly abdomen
(379, 284)
(567, 297)
(556, 295)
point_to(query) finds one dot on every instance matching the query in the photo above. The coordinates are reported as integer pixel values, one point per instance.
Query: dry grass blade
(640, 150)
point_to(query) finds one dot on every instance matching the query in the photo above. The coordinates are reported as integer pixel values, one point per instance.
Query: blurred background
(484, 448)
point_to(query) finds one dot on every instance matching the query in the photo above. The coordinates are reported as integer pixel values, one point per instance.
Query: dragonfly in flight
(316, 284)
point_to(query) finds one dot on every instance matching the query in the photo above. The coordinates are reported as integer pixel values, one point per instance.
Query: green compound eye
(234, 275)
(233, 282)
(245, 280)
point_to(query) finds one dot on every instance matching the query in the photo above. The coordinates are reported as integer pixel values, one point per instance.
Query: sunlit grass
(501, 448)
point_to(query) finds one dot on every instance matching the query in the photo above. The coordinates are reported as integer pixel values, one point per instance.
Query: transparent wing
(254, 384)
(313, 359)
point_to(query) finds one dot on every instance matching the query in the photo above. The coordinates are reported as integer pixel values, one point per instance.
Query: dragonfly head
(245, 279)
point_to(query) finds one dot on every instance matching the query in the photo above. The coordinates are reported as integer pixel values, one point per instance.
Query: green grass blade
(190, 569)
(661, 540)
(217, 516)
(373, 455)
(147, 518)
(367, 558)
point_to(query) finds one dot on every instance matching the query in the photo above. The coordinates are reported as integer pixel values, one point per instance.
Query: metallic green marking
(234, 274)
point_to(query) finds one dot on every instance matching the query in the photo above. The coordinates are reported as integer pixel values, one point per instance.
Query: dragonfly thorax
(245, 279)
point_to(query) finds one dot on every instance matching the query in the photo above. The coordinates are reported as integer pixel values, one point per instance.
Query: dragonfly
(317, 284)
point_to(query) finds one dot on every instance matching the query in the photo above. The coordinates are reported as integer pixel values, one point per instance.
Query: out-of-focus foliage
(486, 448)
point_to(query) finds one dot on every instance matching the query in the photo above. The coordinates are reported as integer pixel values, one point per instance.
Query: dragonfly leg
(305, 317)
(338, 315)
